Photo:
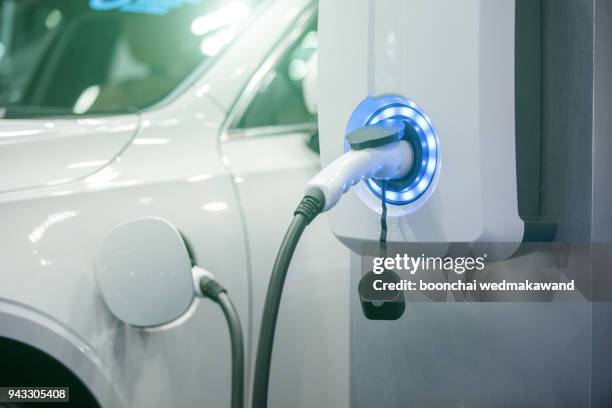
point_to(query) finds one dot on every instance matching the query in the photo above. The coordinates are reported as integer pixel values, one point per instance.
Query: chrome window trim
(241, 103)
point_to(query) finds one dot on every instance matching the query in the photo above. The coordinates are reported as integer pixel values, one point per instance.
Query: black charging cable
(383, 220)
(213, 290)
(310, 206)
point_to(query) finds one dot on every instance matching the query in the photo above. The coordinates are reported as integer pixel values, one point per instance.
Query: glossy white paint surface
(50, 238)
(231, 202)
(44, 152)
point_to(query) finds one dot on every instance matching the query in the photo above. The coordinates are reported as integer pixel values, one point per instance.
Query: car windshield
(71, 57)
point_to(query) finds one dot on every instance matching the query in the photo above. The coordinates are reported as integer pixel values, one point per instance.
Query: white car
(188, 110)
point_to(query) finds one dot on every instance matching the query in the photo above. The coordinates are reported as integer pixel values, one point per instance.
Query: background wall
(602, 196)
(519, 354)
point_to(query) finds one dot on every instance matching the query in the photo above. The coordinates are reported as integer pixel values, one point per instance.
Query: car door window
(67, 57)
(279, 99)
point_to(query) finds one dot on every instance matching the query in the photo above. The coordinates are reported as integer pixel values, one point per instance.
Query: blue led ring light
(395, 111)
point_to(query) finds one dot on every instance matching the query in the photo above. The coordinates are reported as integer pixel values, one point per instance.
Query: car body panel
(52, 235)
(31, 327)
(43, 152)
(231, 200)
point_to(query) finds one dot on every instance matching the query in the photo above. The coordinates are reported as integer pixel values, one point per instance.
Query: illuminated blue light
(157, 7)
(398, 111)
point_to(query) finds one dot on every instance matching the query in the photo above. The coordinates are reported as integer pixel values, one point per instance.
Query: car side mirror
(144, 272)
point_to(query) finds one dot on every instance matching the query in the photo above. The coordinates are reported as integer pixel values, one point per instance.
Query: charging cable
(376, 152)
(207, 286)
(383, 220)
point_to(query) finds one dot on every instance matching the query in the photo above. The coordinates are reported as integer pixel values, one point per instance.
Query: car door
(271, 144)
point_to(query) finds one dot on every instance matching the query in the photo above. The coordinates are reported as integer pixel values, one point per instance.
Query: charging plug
(376, 152)
(199, 274)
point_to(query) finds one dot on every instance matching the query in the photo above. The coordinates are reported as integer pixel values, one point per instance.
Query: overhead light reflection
(145, 200)
(62, 193)
(151, 141)
(56, 182)
(199, 177)
(203, 90)
(91, 121)
(53, 19)
(38, 232)
(297, 69)
(85, 164)
(14, 133)
(114, 184)
(169, 122)
(215, 206)
(86, 99)
(214, 43)
(231, 13)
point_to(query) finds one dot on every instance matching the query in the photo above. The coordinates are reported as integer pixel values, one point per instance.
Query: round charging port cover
(143, 271)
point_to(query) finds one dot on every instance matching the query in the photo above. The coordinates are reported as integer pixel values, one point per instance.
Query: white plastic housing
(383, 162)
(455, 59)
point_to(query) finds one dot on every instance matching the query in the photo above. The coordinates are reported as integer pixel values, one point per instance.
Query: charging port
(394, 112)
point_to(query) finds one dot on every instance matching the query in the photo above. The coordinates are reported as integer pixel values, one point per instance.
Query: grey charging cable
(376, 152)
(210, 288)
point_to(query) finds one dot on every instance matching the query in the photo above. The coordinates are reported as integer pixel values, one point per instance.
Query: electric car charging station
(296, 203)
